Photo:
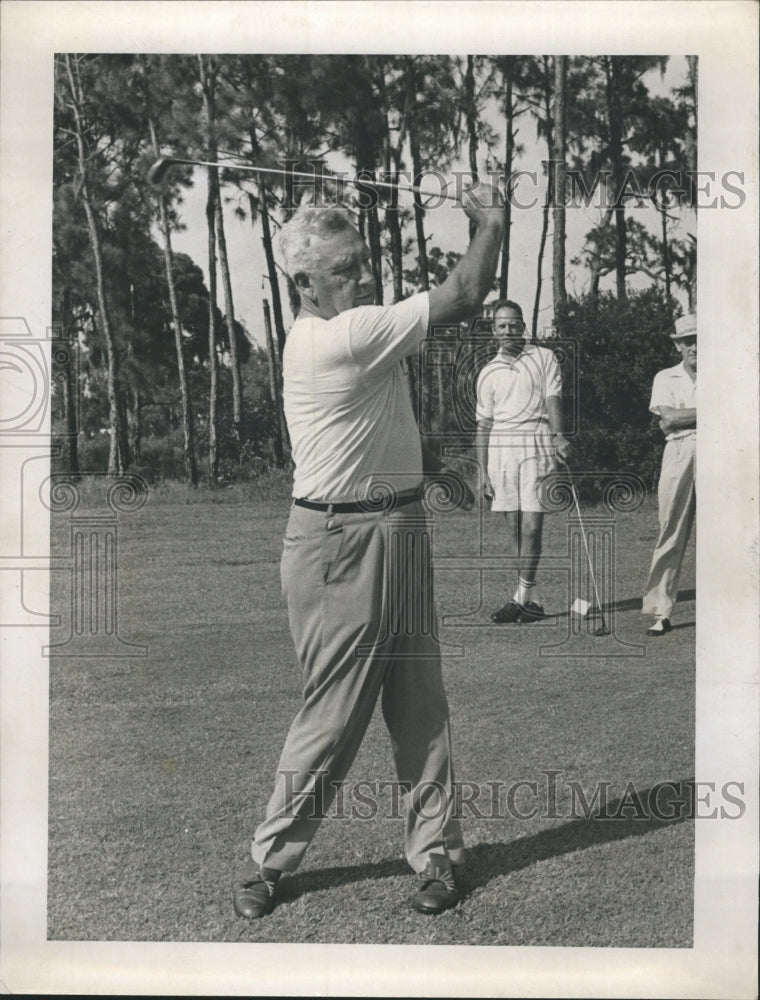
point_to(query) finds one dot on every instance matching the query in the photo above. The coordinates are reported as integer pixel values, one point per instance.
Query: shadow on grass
(632, 604)
(486, 862)
(306, 882)
(633, 815)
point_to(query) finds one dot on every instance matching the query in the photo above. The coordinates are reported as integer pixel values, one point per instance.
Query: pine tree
(75, 81)
(613, 97)
(511, 77)
(558, 157)
(156, 79)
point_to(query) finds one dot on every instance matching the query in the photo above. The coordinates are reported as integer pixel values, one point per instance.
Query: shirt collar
(680, 372)
(511, 360)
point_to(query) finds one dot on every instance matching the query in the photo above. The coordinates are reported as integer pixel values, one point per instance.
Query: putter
(602, 630)
(158, 171)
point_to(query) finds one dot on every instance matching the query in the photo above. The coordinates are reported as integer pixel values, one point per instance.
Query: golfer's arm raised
(462, 293)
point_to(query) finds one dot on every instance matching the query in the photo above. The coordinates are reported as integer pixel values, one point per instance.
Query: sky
(446, 227)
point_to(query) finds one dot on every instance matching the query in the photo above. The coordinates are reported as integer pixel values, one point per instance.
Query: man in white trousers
(518, 441)
(354, 568)
(674, 401)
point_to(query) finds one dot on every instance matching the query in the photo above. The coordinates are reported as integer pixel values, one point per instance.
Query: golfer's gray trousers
(677, 506)
(359, 590)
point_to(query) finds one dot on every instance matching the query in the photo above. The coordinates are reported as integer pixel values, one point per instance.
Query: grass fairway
(161, 766)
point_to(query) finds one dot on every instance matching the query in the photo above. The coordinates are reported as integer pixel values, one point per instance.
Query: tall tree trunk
(690, 139)
(691, 291)
(118, 452)
(392, 165)
(509, 152)
(419, 212)
(135, 425)
(266, 237)
(191, 469)
(424, 379)
(666, 264)
(596, 268)
(541, 249)
(425, 373)
(560, 144)
(69, 384)
(369, 224)
(472, 125)
(275, 389)
(373, 239)
(377, 254)
(547, 202)
(397, 261)
(397, 252)
(207, 72)
(213, 390)
(392, 162)
(274, 284)
(615, 118)
(596, 275)
(367, 152)
(229, 309)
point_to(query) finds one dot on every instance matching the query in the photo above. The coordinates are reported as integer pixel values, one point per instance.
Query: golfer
(519, 437)
(356, 569)
(674, 401)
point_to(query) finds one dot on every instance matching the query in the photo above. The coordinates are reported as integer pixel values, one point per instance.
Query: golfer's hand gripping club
(483, 202)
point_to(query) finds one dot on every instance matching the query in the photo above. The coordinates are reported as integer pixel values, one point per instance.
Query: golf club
(158, 171)
(602, 630)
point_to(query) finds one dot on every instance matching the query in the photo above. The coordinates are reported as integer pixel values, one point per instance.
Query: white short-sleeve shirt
(512, 392)
(674, 387)
(346, 400)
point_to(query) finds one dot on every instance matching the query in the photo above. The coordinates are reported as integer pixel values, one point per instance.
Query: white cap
(686, 326)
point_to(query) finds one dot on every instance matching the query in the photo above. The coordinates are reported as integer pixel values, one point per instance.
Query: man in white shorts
(519, 437)
(674, 401)
(356, 572)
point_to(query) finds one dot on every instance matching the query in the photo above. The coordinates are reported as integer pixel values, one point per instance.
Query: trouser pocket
(332, 542)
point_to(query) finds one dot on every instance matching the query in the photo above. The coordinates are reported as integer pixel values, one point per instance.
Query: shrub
(619, 348)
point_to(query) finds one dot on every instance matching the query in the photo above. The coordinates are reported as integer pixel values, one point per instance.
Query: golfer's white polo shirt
(512, 392)
(673, 387)
(347, 403)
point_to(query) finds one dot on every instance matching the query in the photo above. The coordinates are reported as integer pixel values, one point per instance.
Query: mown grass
(160, 767)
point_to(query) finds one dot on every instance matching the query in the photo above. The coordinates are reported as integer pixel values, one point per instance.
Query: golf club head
(158, 171)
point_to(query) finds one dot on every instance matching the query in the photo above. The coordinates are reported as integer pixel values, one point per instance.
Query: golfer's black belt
(388, 501)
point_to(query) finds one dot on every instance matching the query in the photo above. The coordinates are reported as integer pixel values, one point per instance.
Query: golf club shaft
(169, 161)
(588, 553)
(585, 542)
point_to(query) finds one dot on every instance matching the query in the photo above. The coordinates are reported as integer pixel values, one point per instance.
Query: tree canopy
(162, 350)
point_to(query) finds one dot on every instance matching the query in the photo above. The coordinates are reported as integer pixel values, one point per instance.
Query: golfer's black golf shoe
(531, 612)
(439, 890)
(507, 615)
(255, 898)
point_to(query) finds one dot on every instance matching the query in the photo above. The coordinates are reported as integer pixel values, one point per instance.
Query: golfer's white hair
(302, 239)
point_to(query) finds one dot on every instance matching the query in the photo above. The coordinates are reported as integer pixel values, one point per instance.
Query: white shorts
(518, 462)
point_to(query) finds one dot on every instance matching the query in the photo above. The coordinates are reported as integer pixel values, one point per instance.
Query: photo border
(722, 962)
